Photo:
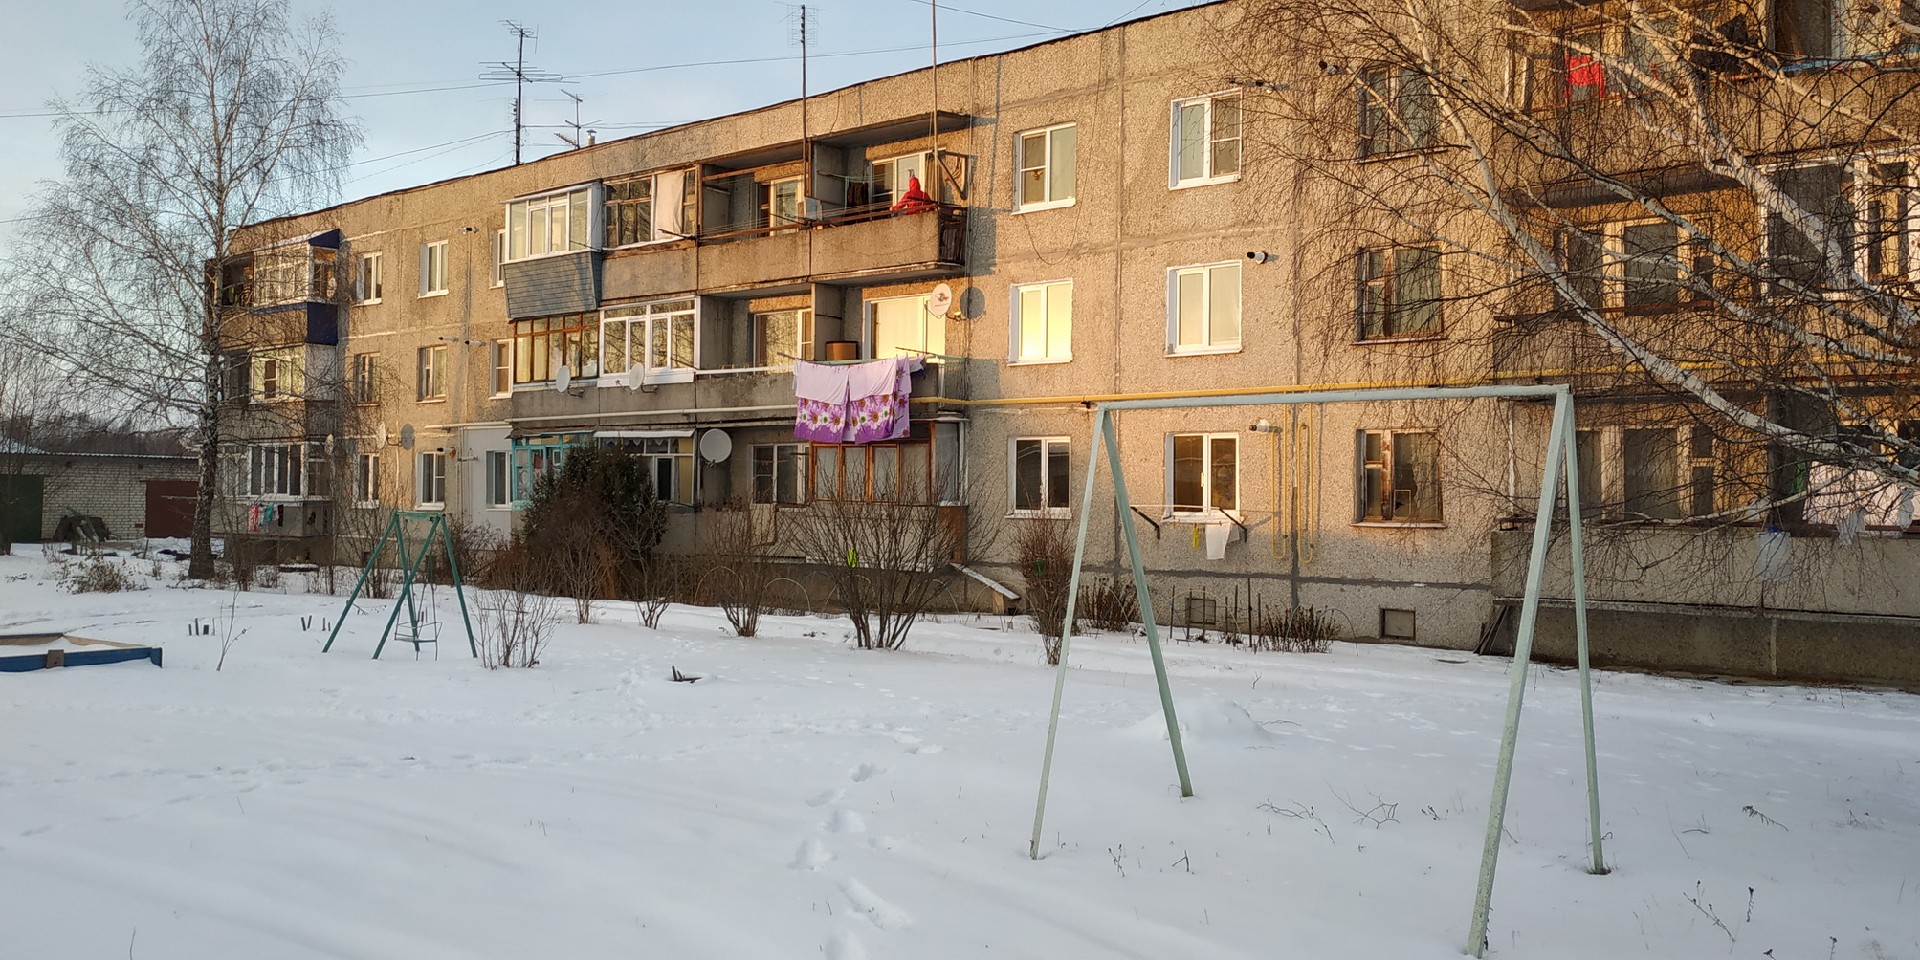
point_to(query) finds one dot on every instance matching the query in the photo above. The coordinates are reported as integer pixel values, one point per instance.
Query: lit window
(1203, 308)
(1206, 140)
(1043, 321)
(1045, 160)
(554, 223)
(502, 367)
(543, 345)
(277, 374)
(902, 325)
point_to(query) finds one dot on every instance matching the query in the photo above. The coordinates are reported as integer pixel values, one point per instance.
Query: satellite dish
(636, 376)
(715, 446)
(328, 445)
(940, 301)
(406, 437)
(563, 379)
(380, 434)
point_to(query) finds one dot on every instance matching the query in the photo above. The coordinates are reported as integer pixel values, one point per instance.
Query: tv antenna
(576, 141)
(802, 23)
(521, 75)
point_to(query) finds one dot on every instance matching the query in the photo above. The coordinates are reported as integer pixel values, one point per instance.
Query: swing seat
(420, 635)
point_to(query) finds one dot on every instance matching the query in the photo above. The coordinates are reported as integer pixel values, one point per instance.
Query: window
(1886, 224)
(1038, 476)
(276, 374)
(1399, 293)
(633, 217)
(499, 258)
(1203, 473)
(658, 339)
(432, 485)
(535, 458)
(1042, 322)
(1203, 308)
(1583, 74)
(902, 325)
(366, 480)
(541, 346)
(502, 367)
(555, 223)
(923, 467)
(1650, 47)
(778, 472)
(1652, 483)
(669, 464)
(1586, 450)
(780, 336)
(432, 373)
(276, 469)
(1700, 467)
(1399, 477)
(367, 282)
(1206, 140)
(1045, 159)
(1806, 29)
(1649, 265)
(499, 493)
(366, 378)
(1397, 112)
(890, 178)
(293, 273)
(1796, 243)
(1582, 257)
(783, 203)
(433, 268)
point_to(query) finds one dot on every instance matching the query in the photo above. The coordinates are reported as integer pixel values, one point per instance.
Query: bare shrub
(1107, 604)
(1044, 550)
(1292, 629)
(591, 527)
(885, 561)
(475, 548)
(740, 571)
(266, 577)
(515, 620)
(242, 562)
(99, 575)
(660, 584)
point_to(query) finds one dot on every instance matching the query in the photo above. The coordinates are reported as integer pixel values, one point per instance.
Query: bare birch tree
(1705, 204)
(233, 116)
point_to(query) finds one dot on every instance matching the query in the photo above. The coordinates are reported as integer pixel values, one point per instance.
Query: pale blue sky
(413, 79)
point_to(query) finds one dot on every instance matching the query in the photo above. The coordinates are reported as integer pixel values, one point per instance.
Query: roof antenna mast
(521, 75)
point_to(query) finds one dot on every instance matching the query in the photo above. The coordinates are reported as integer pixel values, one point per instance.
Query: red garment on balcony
(914, 200)
(1586, 75)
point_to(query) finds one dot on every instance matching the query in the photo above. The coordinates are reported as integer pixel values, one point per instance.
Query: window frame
(796, 460)
(433, 268)
(500, 258)
(1047, 510)
(366, 480)
(1376, 133)
(1207, 511)
(763, 358)
(501, 353)
(928, 350)
(1208, 142)
(533, 366)
(587, 196)
(928, 438)
(369, 275)
(1390, 303)
(1021, 167)
(364, 387)
(645, 316)
(428, 481)
(1389, 465)
(1208, 344)
(276, 471)
(496, 476)
(1017, 320)
(284, 368)
(430, 374)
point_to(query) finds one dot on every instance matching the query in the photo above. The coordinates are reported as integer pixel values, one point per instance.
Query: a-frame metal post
(459, 591)
(1577, 548)
(360, 584)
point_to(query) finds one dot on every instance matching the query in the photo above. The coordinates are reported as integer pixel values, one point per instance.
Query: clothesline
(836, 363)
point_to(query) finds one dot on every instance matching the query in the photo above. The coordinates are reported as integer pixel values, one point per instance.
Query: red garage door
(170, 507)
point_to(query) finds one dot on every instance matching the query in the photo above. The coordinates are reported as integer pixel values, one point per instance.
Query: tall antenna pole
(939, 173)
(801, 20)
(521, 75)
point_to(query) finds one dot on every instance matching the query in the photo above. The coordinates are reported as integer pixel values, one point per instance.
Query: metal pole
(453, 569)
(1122, 507)
(365, 572)
(1576, 538)
(1517, 673)
(406, 592)
(1066, 631)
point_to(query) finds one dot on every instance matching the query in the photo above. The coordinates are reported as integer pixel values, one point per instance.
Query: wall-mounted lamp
(469, 229)
(1261, 256)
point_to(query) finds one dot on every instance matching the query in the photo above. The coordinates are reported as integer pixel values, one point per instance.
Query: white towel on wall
(1217, 534)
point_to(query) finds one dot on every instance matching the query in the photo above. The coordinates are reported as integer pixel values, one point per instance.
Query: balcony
(868, 244)
(287, 293)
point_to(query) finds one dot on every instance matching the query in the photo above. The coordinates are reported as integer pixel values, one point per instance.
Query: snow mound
(1206, 720)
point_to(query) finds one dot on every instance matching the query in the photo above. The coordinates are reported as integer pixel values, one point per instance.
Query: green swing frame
(396, 533)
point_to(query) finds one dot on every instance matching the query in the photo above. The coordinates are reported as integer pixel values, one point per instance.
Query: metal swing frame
(1560, 453)
(396, 532)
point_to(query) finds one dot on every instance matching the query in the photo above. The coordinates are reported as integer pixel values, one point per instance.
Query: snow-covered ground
(806, 799)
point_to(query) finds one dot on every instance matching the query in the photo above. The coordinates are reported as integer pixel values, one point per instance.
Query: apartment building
(1099, 224)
